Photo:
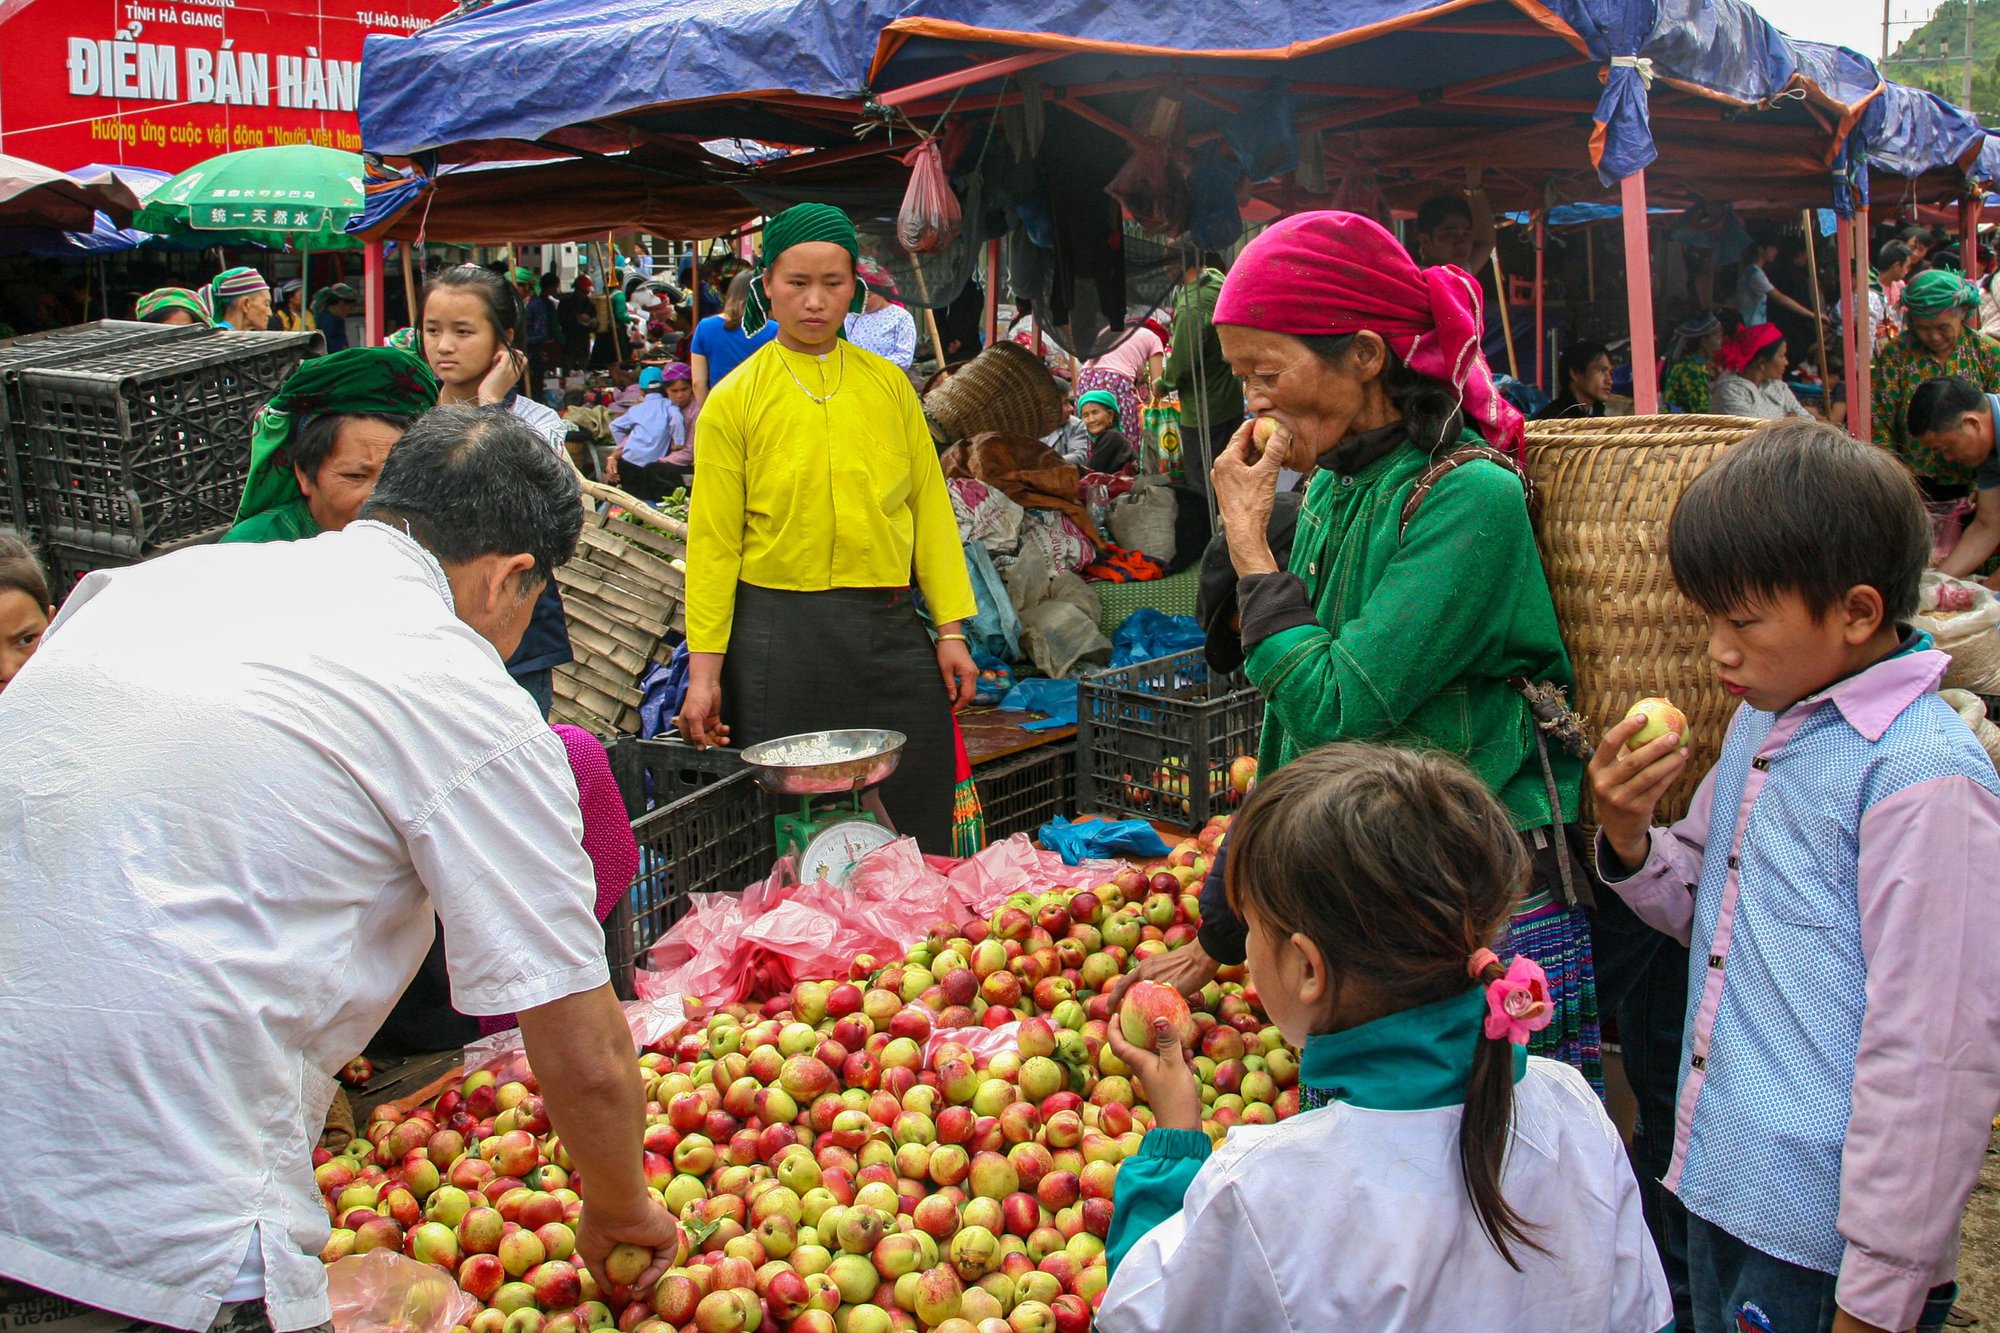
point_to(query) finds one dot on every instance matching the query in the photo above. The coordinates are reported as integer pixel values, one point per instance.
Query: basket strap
(1451, 462)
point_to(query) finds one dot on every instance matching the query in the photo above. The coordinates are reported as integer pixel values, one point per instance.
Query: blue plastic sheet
(662, 690)
(1097, 840)
(1057, 698)
(1147, 634)
(996, 629)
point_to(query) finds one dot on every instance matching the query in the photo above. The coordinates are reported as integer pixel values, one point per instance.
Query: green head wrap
(1102, 397)
(175, 298)
(1938, 290)
(406, 338)
(798, 225)
(525, 276)
(360, 379)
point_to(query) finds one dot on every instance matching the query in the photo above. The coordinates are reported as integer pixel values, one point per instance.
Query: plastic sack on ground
(929, 218)
(1096, 838)
(384, 1292)
(1147, 634)
(1015, 865)
(505, 1054)
(1143, 519)
(1057, 698)
(1057, 636)
(1973, 709)
(1964, 619)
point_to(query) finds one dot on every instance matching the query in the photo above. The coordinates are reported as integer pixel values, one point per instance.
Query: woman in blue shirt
(720, 344)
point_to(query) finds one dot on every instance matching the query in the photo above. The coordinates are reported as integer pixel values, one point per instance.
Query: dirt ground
(1979, 1246)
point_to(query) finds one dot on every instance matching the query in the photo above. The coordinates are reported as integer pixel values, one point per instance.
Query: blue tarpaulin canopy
(1724, 103)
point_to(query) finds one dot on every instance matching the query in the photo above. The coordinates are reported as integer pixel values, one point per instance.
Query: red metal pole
(1541, 327)
(1639, 294)
(992, 292)
(371, 279)
(1858, 368)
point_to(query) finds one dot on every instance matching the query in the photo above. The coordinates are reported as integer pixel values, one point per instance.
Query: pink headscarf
(1327, 274)
(1740, 348)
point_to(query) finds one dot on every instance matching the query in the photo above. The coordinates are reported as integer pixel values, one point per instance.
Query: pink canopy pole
(1853, 320)
(1638, 294)
(371, 279)
(1541, 328)
(1858, 369)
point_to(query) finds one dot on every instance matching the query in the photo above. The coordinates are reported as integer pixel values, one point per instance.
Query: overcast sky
(1854, 23)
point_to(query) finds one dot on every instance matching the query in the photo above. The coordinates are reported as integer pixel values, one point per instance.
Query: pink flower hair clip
(1517, 1004)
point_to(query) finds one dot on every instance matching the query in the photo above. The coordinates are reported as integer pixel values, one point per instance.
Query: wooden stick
(1506, 319)
(1819, 309)
(410, 286)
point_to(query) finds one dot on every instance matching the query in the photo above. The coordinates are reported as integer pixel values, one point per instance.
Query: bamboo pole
(1541, 318)
(1506, 317)
(410, 286)
(1819, 308)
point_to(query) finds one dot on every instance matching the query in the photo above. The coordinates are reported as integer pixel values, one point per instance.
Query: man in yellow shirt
(820, 499)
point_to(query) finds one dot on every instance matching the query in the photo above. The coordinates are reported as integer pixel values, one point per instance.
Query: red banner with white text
(165, 85)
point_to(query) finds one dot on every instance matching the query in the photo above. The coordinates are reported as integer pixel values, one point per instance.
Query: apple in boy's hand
(1661, 717)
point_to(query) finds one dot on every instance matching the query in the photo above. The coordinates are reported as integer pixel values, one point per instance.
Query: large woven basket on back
(1005, 388)
(1608, 488)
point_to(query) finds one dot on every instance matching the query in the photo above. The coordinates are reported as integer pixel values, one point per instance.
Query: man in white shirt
(233, 786)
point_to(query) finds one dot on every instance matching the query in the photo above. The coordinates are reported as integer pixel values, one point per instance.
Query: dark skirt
(848, 657)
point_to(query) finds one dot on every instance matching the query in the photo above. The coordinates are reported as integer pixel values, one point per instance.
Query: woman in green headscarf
(1941, 338)
(319, 444)
(819, 497)
(173, 305)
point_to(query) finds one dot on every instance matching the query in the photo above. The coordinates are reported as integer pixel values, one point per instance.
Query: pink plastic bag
(383, 1292)
(929, 218)
(1015, 865)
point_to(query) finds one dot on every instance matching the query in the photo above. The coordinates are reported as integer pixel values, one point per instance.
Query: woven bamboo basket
(1608, 488)
(622, 594)
(1004, 388)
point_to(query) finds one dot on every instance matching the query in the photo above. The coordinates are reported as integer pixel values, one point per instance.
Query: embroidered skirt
(1558, 938)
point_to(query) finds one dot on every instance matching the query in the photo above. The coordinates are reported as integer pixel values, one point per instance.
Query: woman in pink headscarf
(1413, 602)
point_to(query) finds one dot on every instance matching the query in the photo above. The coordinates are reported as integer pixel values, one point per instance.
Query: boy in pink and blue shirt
(1835, 878)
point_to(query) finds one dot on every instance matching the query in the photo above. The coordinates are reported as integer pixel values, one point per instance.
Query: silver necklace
(808, 392)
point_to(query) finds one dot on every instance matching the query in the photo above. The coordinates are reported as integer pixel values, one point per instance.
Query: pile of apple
(839, 1162)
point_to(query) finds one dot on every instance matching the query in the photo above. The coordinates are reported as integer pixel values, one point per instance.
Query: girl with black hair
(1455, 1182)
(470, 318)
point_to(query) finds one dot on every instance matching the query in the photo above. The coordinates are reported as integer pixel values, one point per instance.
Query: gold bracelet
(953, 638)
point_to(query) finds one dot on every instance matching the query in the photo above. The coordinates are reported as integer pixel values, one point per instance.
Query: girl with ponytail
(1435, 1176)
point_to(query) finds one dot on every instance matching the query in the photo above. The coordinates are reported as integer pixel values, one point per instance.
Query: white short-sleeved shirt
(1349, 1218)
(234, 783)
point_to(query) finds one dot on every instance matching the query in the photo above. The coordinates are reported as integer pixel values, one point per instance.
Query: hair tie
(1480, 961)
(1518, 1003)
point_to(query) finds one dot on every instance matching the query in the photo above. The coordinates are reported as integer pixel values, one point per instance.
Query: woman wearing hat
(173, 305)
(1691, 364)
(882, 325)
(331, 308)
(1413, 605)
(1938, 339)
(320, 443)
(1752, 383)
(820, 503)
(241, 299)
(654, 453)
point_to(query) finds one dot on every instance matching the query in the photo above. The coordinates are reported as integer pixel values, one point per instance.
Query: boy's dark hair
(1432, 212)
(313, 440)
(1399, 865)
(1891, 254)
(20, 571)
(474, 481)
(1939, 404)
(1576, 358)
(1799, 507)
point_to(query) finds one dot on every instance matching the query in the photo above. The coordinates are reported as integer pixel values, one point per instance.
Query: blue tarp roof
(563, 71)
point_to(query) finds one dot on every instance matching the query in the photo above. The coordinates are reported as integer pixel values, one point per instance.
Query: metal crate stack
(19, 509)
(140, 447)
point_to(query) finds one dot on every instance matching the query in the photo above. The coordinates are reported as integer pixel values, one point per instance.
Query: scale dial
(836, 848)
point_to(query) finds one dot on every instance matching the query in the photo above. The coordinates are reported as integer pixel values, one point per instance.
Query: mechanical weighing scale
(831, 773)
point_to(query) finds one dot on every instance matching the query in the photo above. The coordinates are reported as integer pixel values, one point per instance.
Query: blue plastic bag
(996, 628)
(1057, 698)
(992, 689)
(1147, 634)
(661, 693)
(1099, 840)
(1217, 222)
(1264, 134)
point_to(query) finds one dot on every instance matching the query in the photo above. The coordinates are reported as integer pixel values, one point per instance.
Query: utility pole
(1966, 101)
(1885, 29)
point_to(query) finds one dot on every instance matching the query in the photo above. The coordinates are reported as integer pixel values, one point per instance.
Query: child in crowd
(1436, 1176)
(24, 606)
(1833, 875)
(647, 434)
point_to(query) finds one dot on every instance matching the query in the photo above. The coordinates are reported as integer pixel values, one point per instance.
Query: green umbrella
(298, 194)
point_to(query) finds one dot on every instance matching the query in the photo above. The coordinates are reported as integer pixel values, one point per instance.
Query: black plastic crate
(146, 444)
(67, 563)
(1021, 793)
(54, 347)
(703, 825)
(1156, 739)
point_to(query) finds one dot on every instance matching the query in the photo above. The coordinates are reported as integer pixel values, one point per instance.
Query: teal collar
(1415, 1060)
